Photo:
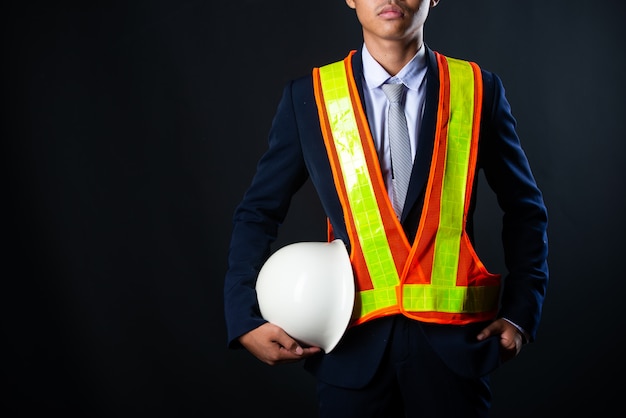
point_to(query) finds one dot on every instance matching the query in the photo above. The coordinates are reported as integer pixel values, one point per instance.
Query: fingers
(272, 345)
(286, 342)
(511, 345)
(294, 350)
(510, 338)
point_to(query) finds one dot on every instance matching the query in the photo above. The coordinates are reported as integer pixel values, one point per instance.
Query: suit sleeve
(525, 219)
(279, 175)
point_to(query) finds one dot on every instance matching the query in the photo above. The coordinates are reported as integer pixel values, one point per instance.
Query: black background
(123, 169)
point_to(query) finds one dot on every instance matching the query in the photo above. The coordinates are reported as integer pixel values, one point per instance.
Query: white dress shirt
(413, 76)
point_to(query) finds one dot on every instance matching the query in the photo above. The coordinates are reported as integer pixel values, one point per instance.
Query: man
(417, 352)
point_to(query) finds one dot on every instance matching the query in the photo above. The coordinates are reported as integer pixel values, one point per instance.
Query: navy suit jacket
(296, 153)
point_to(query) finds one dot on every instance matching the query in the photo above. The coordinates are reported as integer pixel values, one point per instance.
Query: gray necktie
(401, 161)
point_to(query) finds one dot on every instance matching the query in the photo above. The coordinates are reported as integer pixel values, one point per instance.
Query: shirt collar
(410, 75)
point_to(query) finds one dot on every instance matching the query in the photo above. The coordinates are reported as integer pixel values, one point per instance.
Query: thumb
(296, 349)
(486, 332)
(290, 344)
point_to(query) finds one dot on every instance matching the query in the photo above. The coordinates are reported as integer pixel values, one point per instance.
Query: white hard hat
(307, 289)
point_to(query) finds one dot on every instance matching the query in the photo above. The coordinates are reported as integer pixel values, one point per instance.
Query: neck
(393, 55)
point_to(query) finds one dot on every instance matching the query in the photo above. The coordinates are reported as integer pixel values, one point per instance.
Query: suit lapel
(423, 155)
(357, 70)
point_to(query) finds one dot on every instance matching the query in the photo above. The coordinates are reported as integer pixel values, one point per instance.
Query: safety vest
(439, 278)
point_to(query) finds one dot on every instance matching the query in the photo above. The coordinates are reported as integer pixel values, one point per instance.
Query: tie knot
(394, 92)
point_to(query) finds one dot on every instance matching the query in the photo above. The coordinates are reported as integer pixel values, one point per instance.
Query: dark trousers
(411, 382)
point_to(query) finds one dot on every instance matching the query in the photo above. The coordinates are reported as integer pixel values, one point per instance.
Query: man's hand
(510, 338)
(272, 345)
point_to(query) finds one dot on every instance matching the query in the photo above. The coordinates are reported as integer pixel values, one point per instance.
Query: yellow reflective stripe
(359, 188)
(432, 298)
(448, 238)
(373, 299)
(450, 299)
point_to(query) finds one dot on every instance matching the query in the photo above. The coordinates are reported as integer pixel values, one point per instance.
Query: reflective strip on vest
(359, 187)
(442, 294)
